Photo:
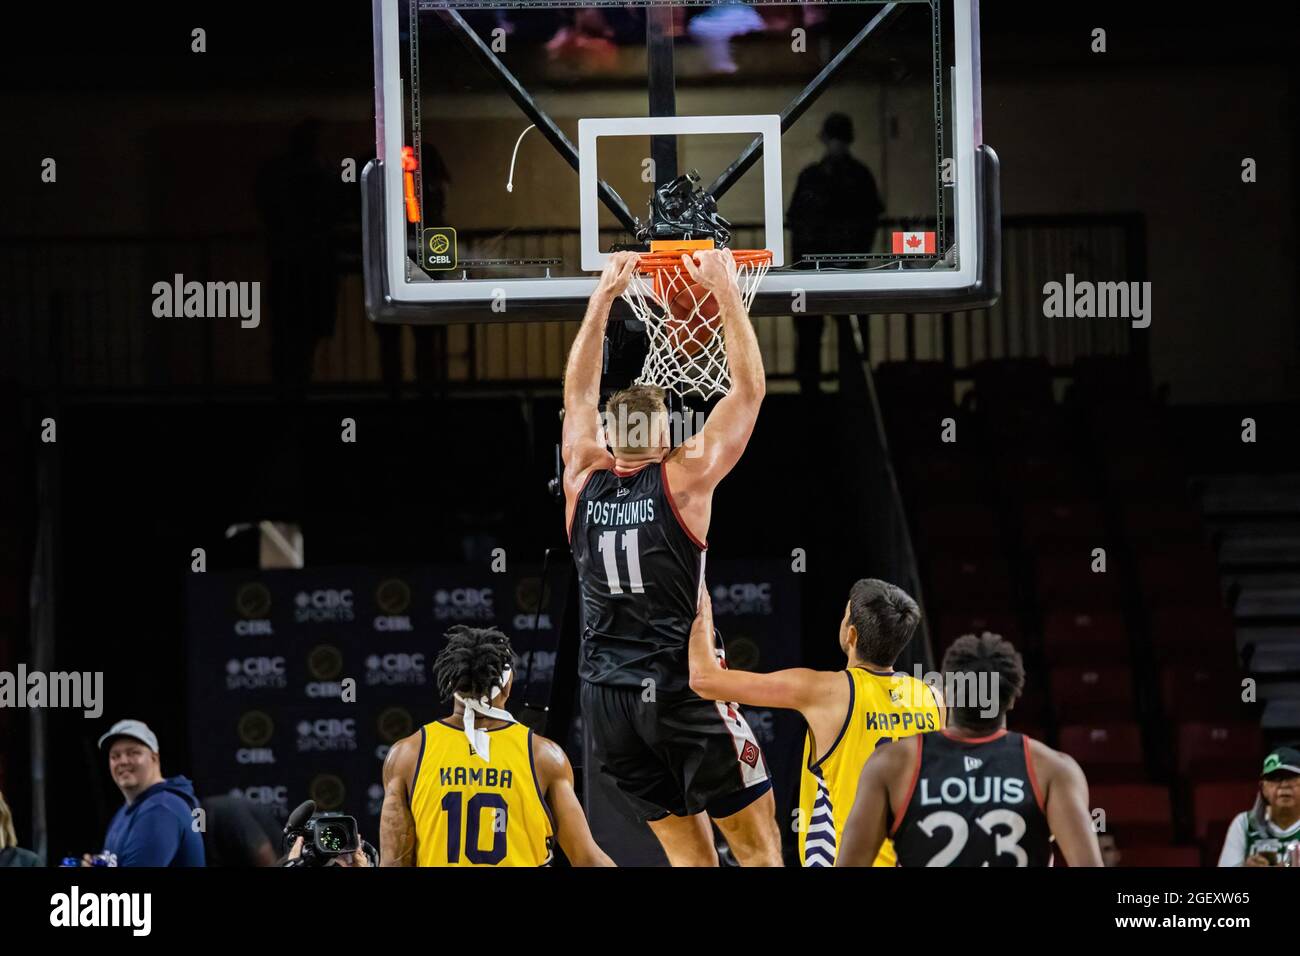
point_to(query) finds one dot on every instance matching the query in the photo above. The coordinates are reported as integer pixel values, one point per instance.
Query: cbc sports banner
(270, 651)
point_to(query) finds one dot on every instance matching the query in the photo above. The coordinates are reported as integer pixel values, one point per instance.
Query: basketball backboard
(519, 144)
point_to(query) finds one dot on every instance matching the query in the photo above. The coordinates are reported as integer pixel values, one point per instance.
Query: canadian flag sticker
(915, 243)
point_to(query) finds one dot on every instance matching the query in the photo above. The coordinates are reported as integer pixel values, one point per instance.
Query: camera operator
(357, 858)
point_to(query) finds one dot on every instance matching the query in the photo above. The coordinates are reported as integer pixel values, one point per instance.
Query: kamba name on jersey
(492, 777)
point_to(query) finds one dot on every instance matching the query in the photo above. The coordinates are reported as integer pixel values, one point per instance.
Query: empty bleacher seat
(1051, 520)
(1220, 750)
(1141, 813)
(1192, 634)
(1192, 691)
(1064, 578)
(1084, 637)
(1160, 856)
(1108, 752)
(1087, 693)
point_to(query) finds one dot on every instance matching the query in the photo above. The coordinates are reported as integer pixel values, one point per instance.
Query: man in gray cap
(155, 826)
(1269, 833)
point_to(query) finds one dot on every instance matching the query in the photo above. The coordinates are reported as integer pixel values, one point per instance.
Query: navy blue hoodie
(158, 828)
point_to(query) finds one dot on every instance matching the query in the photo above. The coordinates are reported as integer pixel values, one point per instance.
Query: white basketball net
(686, 355)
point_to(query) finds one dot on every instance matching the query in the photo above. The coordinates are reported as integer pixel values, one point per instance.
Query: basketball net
(688, 352)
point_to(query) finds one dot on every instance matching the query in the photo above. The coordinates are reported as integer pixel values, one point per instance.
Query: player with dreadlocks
(476, 788)
(974, 793)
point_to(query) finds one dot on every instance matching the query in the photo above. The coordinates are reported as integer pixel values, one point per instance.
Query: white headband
(478, 737)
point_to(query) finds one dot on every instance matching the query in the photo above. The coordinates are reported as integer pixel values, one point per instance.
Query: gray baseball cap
(136, 730)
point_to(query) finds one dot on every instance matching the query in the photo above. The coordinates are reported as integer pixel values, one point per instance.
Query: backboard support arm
(545, 125)
(800, 104)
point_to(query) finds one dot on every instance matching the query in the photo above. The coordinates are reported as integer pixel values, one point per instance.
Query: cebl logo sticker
(439, 248)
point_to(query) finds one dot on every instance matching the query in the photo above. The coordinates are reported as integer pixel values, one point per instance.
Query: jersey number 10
(451, 803)
(608, 550)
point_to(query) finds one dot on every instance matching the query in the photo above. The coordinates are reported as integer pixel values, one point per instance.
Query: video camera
(324, 836)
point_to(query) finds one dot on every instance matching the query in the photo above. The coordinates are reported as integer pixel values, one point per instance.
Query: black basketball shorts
(674, 757)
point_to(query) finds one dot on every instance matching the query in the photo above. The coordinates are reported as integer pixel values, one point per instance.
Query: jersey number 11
(608, 549)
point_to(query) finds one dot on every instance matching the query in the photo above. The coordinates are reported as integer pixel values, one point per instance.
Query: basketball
(689, 328)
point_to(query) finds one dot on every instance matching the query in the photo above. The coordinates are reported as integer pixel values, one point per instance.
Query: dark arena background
(228, 522)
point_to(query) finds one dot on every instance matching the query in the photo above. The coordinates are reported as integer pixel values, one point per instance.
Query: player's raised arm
(396, 825)
(725, 435)
(1066, 805)
(868, 823)
(581, 446)
(571, 829)
(797, 688)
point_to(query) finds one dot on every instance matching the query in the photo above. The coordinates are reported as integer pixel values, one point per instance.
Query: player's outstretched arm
(797, 688)
(571, 829)
(1065, 793)
(580, 445)
(396, 825)
(868, 823)
(723, 439)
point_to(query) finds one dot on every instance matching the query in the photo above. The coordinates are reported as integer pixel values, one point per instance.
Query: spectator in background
(239, 832)
(1263, 835)
(835, 209)
(155, 825)
(11, 854)
(1110, 855)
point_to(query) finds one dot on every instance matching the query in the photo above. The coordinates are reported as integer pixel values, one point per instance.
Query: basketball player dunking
(973, 794)
(638, 519)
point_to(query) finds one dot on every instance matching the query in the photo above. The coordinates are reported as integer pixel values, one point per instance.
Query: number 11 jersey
(639, 573)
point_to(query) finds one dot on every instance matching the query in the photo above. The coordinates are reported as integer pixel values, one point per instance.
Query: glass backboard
(520, 143)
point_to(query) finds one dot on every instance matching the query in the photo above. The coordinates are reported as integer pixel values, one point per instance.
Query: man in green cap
(1269, 833)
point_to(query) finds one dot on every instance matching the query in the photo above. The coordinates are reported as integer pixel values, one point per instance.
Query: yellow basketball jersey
(469, 812)
(882, 706)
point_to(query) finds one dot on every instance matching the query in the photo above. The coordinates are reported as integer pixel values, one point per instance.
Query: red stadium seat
(1055, 520)
(975, 581)
(1215, 804)
(1035, 475)
(1152, 521)
(954, 624)
(1191, 634)
(1140, 812)
(1160, 856)
(976, 528)
(1108, 753)
(1064, 578)
(1082, 694)
(1199, 692)
(1079, 637)
(1228, 750)
(1180, 577)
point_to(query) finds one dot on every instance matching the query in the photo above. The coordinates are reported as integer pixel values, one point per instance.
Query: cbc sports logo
(256, 673)
(742, 598)
(267, 795)
(395, 670)
(327, 735)
(323, 606)
(464, 604)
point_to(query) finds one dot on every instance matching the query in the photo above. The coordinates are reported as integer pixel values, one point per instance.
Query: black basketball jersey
(638, 578)
(974, 803)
